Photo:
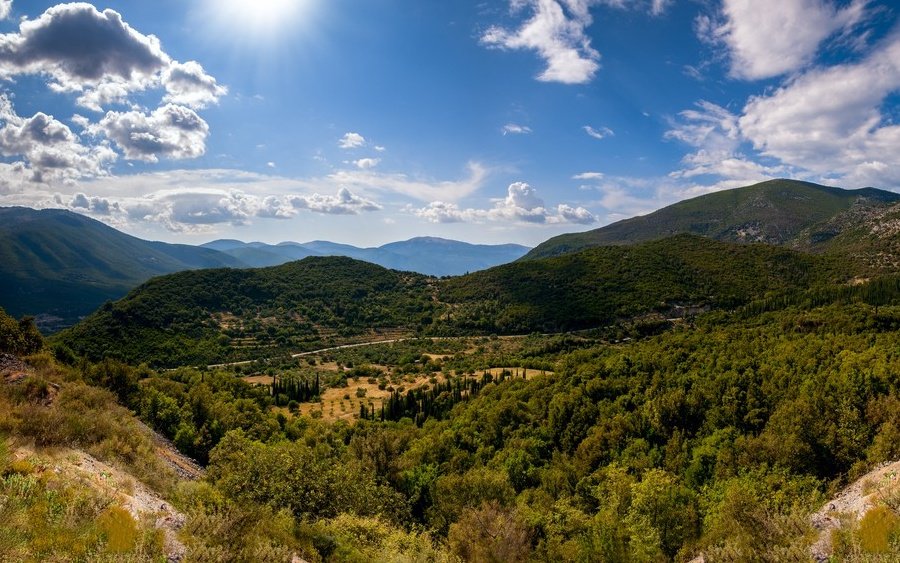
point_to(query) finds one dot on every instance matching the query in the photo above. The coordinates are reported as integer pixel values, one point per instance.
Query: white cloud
(715, 134)
(589, 176)
(5, 8)
(425, 190)
(50, 150)
(558, 37)
(707, 126)
(188, 84)
(344, 202)
(98, 56)
(352, 141)
(830, 122)
(97, 205)
(658, 7)
(767, 38)
(601, 133)
(521, 205)
(367, 163)
(170, 131)
(515, 129)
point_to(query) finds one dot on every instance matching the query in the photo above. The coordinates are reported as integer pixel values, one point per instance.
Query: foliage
(47, 517)
(173, 320)
(19, 337)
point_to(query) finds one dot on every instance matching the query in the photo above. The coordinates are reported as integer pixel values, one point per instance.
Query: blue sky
(368, 122)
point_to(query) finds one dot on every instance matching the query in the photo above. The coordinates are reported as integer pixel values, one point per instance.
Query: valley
(678, 399)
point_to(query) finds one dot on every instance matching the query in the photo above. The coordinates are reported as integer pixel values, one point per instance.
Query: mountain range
(59, 266)
(426, 255)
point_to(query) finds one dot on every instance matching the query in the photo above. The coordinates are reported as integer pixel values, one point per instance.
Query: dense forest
(718, 434)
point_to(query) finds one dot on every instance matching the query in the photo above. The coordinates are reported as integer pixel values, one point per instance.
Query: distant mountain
(799, 215)
(425, 255)
(59, 265)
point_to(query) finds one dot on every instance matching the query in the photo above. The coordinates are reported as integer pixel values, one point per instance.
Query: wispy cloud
(599, 133)
(515, 129)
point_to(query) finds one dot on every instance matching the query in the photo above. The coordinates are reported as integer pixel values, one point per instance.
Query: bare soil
(851, 504)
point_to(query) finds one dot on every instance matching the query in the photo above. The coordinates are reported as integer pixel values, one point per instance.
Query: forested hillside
(798, 215)
(198, 317)
(212, 316)
(720, 435)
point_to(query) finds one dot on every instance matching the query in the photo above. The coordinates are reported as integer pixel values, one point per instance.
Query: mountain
(59, 265)
(799, 215)
(425, 255)
(208, 316)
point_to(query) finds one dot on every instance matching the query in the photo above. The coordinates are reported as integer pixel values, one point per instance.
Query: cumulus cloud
(344, 202)
(51, 151)
(558, 35)
(186, 209)
(767, 38)
(352, 141)
(100, 57)
(521, 205)
(5, 8)
(170, 131)
(188, 84)
(366, 163)
(826, 124)
(600, 133)
(515, 129)
(589, 176)
(96, 205)
(831, 121)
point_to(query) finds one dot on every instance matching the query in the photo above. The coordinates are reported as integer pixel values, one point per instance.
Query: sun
(258, 18)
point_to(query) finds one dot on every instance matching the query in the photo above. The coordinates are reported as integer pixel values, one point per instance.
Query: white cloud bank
(521, 205)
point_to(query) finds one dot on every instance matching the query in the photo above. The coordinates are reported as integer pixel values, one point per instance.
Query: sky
(482, 121)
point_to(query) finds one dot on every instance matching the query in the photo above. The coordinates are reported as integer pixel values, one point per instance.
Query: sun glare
(259, 18)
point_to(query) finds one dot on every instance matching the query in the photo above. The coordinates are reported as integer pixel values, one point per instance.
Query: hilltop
(798, 215)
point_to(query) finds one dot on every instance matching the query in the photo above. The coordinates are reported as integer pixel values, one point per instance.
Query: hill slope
(789, 213)
(62, 264)
(598, 285)
(207, 315)
(426, 255)
(218, 315)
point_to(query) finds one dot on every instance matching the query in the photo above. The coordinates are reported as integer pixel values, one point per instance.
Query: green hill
(198, 317)
(209, 316)
(60, 266)
(599, 285)
(788, 213)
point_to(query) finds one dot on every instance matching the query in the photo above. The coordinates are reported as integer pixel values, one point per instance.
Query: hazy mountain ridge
(426, 255)
(60, 264)
(799, 215)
